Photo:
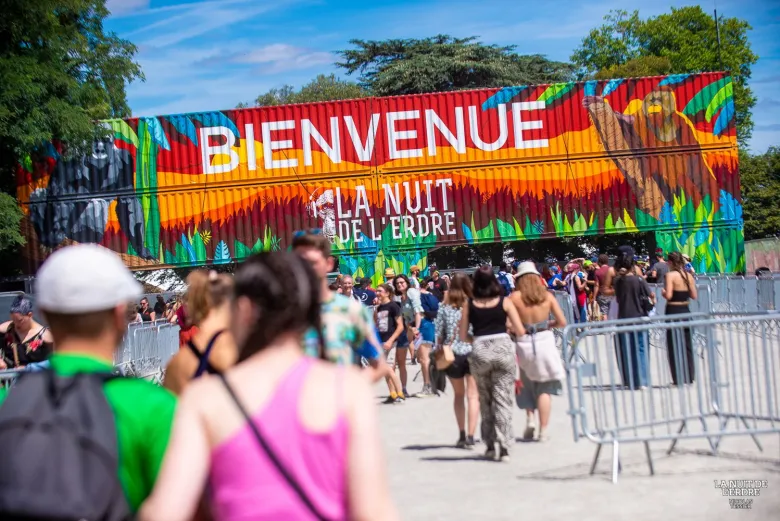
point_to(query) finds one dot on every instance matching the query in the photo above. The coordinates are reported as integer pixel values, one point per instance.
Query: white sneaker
(528, 434)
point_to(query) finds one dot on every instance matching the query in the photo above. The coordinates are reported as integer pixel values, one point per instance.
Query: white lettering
(332, 149)
(429, 195)
(444, 183)
(433, 121)
(226, 149)
(269, 146)
(436, 224)
(502, 130)
(409, 207)
(391, 198)
(449, 219)
(356, 233)
(339, 212)
(395, 225)
(394, 136)
(422, 223)
(361, 201)
(408, 226)
(374, 235)
(249, 141)
(519, 125)
(344, 230)
(363, 151)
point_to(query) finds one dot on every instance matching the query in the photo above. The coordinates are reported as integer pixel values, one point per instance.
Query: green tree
(444, 63)
(636, 67)
(687, 38)
(760, 178)
(321, 88)
(59, 71)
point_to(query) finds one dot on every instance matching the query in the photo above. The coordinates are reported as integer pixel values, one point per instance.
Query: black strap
(285, 474)
(204, 366)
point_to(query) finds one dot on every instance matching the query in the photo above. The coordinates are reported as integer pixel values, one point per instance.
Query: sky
(201, 55)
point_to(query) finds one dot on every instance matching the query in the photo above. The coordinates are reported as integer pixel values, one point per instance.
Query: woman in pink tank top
(281, 436)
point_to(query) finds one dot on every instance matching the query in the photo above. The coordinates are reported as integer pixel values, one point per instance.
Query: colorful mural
(389, 179)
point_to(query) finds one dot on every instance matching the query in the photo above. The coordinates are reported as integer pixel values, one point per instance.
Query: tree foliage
(686, 37)
(321, 88)
(444, 63)
(636, 67)
(10, 217)
(60, 72)
(760, 178)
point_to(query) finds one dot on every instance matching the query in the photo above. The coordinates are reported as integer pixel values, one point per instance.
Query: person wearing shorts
(604, 292)
(390, 327)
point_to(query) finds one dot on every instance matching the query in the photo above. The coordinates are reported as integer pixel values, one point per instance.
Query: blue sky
(203, 55)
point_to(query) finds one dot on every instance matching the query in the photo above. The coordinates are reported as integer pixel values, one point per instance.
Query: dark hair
(625, 259)
(404, 277)
(21, 305)
(676, 260)
(387, 288)
(486, 284)
(160, 299)
(311, 240)
(286, 294)
(545, 271)
(603, 259)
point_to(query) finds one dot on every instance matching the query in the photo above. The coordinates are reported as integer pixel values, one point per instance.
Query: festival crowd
(268, 409)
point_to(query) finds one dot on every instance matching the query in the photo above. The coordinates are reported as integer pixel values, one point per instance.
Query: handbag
(444, 357)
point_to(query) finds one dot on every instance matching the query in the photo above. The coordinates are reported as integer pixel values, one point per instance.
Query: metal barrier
(672, 378)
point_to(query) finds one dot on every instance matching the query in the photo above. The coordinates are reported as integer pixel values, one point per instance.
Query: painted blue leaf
(503, 96)
(667, 215)
(673, 79)
(539, 227)
(157, 132)
(216, 119)
(187, 246)
(725, 117)
(184, 126)
(367, 242)
(703, 235)
(590, 88)
(222, 253)
(612, 85)
(730, 208)
(467, 234)
(351, 263)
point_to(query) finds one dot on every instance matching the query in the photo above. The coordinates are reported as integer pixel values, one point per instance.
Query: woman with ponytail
(679, 289)
(211, 348)
(281, 435)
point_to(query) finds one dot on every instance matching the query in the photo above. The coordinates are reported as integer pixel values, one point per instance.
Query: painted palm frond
(705, 96)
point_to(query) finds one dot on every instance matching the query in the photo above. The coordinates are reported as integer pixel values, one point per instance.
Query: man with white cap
(83, 292)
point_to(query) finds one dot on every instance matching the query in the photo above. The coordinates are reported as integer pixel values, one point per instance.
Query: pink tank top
(245, 484)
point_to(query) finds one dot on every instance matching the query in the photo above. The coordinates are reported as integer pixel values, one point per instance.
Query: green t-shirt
(143, 414)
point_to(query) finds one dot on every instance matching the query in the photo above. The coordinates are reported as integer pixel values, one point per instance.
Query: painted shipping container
(389, 179)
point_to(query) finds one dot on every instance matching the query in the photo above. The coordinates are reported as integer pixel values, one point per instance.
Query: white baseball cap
(525, 268)
(82, 279)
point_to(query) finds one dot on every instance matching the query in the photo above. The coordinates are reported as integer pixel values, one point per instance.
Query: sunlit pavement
(431, 480)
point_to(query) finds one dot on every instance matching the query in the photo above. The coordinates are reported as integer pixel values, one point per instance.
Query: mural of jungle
(389, 179)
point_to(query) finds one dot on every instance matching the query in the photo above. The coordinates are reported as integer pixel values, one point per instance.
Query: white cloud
(120, 7)
(280, 57)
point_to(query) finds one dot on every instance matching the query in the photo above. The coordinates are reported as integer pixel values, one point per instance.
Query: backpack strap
(270, 453)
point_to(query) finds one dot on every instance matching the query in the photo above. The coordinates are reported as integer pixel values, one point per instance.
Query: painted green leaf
(645, 221)
(555, 91)
(609, 225)
(593, 227)
(258, 246)
(703, 98)
(518, 230)
(628, 222)
(505, 230)
(720, 99)
(170, 258)
(123, 131)
(487, 233)
(182, 257)
(199, 247)
(241, 250)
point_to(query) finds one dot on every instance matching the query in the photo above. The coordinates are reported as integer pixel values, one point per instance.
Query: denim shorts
(403, 341)
(427, 331)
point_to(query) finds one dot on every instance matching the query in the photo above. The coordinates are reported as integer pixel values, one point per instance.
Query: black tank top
(488, 321)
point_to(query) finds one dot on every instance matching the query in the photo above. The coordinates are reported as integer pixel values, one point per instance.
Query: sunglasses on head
(311, 231)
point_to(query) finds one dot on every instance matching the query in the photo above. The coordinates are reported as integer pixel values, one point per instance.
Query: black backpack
(59, 451)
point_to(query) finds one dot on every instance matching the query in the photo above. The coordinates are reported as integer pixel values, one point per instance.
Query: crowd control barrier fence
(673, 378)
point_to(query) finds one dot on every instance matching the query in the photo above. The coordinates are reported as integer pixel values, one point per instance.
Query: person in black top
(147, 314)
(159, 307)
(25, 341)
(492, 360)
(389, 326)
(438, 286)
(634, 300)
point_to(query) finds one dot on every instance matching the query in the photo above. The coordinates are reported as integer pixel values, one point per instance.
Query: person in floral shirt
(25, 341)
